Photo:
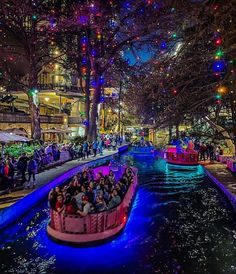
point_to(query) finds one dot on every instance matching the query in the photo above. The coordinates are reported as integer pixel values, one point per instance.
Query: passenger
(78, 197)
(119, 191)
(58, 190)
(90, 194)
(99, 176)
(79, 177)
(112, 177)
(115, 199)
(100, 204)
(71, 189)
(87, 208)
(85, 178)
(60, 204)
(70, 205)
(52, 198)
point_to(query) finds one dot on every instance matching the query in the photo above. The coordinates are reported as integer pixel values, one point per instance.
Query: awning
(10, 137)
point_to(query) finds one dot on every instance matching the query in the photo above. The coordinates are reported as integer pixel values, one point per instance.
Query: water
(179, 223)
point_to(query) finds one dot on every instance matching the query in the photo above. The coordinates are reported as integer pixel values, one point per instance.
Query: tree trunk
(35, 118)
(87, 100)
(170, 134)
(177, 131)
(92, 134)
(33, 92)
(225, 134)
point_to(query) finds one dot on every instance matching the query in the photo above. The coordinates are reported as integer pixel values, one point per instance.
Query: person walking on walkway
(32, 170)
(22, 167)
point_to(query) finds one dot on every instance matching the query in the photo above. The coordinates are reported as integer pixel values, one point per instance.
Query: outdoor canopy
(10, 137)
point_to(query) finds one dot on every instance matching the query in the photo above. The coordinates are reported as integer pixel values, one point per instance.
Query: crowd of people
(206, 151)
(87, 193)
(22, 171)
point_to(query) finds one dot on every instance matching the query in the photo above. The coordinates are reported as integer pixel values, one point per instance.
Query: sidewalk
(223, 175)
(46, 176)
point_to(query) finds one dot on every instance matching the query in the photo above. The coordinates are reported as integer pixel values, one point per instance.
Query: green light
(174, 35)
(34, 17)
(219, 53)
(218, 96)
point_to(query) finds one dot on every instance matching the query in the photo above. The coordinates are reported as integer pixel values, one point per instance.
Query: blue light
(219, 66)
(102, 99)
(163, 45)
(102, 80)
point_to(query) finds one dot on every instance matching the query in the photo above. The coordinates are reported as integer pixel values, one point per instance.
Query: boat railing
(143, 149)
(183, 157)
(95, 222)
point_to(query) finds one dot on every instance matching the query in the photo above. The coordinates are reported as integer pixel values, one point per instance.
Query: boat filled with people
(182, 156)
(143, 148)
(93, 207)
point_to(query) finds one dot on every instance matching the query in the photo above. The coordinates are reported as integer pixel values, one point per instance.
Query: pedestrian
(32, 170)
(22, 167)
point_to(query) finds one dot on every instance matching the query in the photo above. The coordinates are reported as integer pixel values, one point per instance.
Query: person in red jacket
(60, 206)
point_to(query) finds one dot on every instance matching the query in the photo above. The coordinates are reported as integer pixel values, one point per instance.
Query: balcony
(25, 118)
(75, 121)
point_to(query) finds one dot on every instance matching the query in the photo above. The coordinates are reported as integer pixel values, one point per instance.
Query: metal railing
(25, 118)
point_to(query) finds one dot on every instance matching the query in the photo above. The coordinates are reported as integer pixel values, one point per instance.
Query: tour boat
(96, 227)
(143, 151)
(186, 157)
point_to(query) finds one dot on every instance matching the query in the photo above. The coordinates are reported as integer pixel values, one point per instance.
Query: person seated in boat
(119, 191)
(87, 207)
(100, 204)
(179, 147)
(85, 178)
(72, 187)
(52, 198)
(112, 177)
(70, 204)
(115, 199)
(78, 197)
(90, 193)
(59, 207)
(99, 176)
(190, 147)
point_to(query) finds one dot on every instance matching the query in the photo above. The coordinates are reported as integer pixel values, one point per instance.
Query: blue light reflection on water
(124, 249)
(175, 218)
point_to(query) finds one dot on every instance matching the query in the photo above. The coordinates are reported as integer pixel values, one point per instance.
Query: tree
(26, 47)
(194, 74)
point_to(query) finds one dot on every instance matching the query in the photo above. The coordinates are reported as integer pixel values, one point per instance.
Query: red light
(124, 219)
(175, 91)
(218, 41)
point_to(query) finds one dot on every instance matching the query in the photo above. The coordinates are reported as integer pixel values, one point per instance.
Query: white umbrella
(10, 137)
(16, 131)
(6, 138)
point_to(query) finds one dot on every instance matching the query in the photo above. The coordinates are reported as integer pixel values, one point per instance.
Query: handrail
(94, 222)
(184, 157)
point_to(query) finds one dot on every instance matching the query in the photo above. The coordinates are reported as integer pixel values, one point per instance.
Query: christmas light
(222, 89)
(219, 66)
(218, 41)
(34, 17)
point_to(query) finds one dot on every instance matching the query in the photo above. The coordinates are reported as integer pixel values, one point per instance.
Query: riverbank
(224, 179)
(14, 205)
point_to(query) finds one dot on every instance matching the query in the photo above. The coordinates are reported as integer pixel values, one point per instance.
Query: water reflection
(179, 223)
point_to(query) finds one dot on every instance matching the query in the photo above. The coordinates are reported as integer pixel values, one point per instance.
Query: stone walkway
(46, 176)
(223, 175)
